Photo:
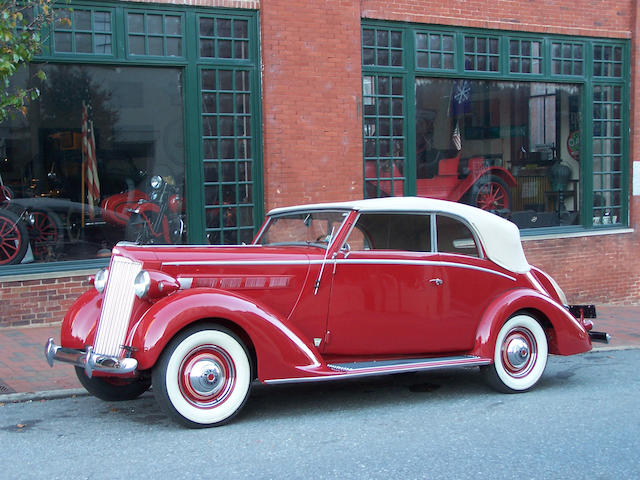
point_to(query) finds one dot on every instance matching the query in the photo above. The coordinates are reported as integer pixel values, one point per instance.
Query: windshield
(303, 228)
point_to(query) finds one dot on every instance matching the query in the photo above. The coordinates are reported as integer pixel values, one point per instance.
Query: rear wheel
(203, 377)
(46, 233)
(113, 389)
(520, 355)
(14, 238)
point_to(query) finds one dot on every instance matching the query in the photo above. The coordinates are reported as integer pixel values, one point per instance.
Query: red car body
(361, 298)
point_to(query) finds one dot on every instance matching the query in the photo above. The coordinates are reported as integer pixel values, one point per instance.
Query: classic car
(324, 292)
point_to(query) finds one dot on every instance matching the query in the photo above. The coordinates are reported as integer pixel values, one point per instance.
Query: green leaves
(21, 24)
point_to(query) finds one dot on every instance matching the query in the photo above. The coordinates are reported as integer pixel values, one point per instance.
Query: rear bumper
(584, 313)
(88, 360)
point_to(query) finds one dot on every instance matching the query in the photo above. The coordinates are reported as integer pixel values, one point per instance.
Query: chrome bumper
(90, 361)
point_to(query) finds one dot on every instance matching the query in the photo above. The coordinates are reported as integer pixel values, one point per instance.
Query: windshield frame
(331, 234)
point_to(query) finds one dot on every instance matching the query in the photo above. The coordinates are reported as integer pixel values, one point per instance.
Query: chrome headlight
(156, 182)
(142, 283)
(100, 280)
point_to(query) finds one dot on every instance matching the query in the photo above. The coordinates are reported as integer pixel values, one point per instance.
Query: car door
(385, 288)
(469, 283)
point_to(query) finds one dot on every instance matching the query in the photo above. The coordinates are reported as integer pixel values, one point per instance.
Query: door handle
(436, 281)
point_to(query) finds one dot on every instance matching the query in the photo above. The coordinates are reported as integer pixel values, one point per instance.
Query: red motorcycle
(445, 175)
(154, 218)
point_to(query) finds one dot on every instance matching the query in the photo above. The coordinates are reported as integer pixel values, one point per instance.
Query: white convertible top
(499, 237)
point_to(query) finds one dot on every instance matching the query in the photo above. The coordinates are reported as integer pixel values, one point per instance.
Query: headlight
(142, 283)
(100, 280)
(156, 182)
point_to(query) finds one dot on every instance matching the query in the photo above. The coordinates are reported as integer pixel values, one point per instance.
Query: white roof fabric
(499, 237)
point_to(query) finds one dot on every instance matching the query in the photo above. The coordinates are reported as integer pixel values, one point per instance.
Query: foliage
(21, 27)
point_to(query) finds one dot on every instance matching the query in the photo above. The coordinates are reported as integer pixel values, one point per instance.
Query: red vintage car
(325, 292)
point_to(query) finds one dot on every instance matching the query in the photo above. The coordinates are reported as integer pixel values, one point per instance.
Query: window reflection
(78, 163)
(509, 147)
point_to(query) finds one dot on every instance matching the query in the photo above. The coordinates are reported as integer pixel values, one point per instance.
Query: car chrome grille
(117, 306)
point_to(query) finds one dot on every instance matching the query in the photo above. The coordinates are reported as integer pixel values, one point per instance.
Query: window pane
(134, 122)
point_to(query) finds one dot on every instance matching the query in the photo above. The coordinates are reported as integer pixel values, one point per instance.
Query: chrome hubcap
(518, 353)
(207, 377)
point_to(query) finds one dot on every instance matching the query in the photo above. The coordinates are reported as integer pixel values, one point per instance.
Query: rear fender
(566, 336)
(279, 348)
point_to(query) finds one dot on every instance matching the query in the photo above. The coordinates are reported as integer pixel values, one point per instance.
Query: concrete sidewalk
(24, 370)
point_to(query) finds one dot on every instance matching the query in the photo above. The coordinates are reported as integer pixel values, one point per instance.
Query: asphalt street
(581, 421)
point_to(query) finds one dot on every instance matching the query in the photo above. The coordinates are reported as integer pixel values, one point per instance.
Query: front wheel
(14, 238)
(203, 377)
(111, 389)
(520, 355)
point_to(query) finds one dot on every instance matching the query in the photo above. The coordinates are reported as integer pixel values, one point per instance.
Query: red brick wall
(37, 301)
(312, 128)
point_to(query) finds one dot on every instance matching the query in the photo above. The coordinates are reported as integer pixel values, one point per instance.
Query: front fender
(79, 324)
(568, 337)
(279, 348)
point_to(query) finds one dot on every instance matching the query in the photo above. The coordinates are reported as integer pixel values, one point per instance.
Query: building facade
(522, 107)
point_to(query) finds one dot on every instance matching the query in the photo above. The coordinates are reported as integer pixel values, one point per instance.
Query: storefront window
(76, 165)
(509, 147)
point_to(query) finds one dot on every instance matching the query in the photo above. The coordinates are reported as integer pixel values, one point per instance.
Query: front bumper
(90, 361)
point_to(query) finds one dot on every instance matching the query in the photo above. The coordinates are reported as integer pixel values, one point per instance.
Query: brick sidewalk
(23, 367)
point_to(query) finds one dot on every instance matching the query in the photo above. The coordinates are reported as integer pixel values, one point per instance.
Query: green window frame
(435, 51)
(223, 37)
(525, 56)
(567, 58)
(383, 47)
(157, 34)
(84, 31)
(481, 53)
(601, 67)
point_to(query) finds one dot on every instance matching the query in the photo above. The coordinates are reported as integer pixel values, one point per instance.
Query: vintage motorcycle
(156, 218)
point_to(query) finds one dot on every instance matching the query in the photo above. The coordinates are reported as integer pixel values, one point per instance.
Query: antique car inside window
(302, 228)
(391, 231)
(455, 237)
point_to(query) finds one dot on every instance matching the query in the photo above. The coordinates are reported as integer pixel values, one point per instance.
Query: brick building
(253, 104)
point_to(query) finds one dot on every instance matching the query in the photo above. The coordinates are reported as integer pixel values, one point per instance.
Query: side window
(455, 237)
(391, 231)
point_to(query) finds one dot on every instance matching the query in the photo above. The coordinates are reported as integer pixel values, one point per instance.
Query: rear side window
(391, 231)
(455, 237)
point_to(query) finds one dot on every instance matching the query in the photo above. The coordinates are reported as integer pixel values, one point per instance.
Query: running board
(407, 365)
(339, 371)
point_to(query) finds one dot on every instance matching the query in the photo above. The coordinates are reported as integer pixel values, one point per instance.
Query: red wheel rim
(10, 240)
(43, 231)
(492, 196)
(207, 376)
(519, 352)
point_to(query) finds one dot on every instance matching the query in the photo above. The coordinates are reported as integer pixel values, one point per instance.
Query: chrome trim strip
(345, 261)
(338, 375)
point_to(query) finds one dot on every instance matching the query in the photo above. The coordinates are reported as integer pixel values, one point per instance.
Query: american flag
(455, 137)
(89, 161)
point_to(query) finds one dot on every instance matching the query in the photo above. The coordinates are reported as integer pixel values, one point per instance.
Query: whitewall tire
(203, 377)
(520, 355)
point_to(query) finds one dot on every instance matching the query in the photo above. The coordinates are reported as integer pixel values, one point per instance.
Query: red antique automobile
(325, 292)
(443, 174)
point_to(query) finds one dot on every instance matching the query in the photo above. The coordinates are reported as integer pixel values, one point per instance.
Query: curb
(45, 395)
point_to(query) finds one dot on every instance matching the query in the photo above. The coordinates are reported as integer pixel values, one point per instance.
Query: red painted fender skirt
(567, 338)
(279, 348)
